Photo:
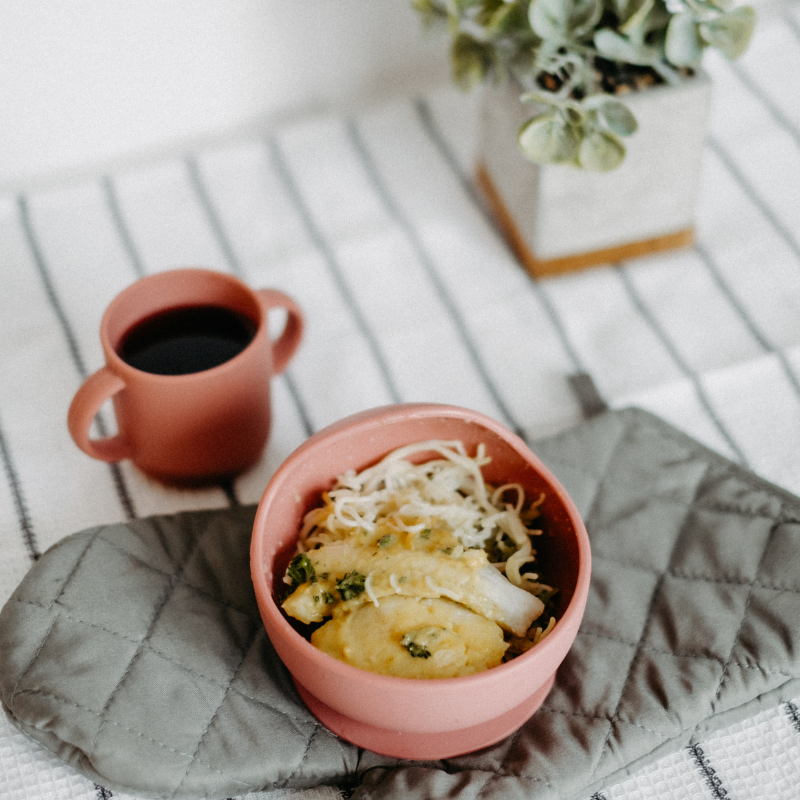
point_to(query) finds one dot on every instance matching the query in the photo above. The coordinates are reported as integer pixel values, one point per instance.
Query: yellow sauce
(457, 641)
(407, 589)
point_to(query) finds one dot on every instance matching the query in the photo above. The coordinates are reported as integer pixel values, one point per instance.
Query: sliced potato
(410, 637)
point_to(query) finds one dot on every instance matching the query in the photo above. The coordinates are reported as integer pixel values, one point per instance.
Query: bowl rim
(276, 623)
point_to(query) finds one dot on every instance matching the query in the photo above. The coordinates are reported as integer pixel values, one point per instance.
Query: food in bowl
(415, 567)
(402, 717)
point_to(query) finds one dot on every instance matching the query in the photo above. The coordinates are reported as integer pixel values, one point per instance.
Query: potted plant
(594, 118)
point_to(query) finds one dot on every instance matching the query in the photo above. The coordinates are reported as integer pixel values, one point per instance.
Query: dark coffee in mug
(188, 364)
(188, 339)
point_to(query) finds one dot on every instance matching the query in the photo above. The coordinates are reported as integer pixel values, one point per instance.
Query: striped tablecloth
(372, 222)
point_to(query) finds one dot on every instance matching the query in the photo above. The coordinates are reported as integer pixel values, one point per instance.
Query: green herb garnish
(385, 541)
(351, 585)
(301, 570)
(416, 650)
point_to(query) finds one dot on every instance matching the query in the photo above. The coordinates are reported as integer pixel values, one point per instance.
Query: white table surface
(373, 224)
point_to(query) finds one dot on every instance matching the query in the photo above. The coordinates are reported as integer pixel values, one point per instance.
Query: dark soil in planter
(614, 77)
(617, 78)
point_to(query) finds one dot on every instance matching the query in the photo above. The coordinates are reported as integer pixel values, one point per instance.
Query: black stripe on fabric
(319, 241)
(792, 24)
(710, 777)
(669, 346)
(212, 216)
(21, 507)
(393, 208)
(103, 793)
(751, 326)
(52, 296)
(234, 262)
(123, 232)
(299, 404)
(793, 713)
(122, 491)
(229, 488)
(754, 197)
(436, 136)
(227, 485)
(72, 344)
(775, 112)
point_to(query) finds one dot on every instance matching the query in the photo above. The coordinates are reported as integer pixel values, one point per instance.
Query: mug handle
(97, 388)
(283, 348)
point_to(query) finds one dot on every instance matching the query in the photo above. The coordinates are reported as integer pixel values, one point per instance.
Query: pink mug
(188, 366)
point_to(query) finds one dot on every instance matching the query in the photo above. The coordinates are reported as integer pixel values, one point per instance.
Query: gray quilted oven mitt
(135, 651)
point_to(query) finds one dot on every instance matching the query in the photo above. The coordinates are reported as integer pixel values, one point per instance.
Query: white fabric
(372, 224)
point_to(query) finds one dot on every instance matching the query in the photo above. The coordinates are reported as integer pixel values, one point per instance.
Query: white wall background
(86, 83)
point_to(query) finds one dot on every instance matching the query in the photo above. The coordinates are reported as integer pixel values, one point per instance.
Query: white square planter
(559, 218)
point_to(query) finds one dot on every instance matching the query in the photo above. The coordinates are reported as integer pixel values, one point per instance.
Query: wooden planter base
(539, 268)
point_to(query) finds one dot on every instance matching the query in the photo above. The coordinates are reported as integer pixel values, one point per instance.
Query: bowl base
(425, 746)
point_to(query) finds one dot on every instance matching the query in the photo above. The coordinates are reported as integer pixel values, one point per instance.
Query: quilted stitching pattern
(159, 687)
(693, 610)
(692, 619)
(693, 616)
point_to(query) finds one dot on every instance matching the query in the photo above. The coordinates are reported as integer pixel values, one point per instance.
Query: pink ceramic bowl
(403, 717)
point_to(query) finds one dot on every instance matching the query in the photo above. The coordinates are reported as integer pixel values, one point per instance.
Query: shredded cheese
(370, 592)
(441, 589)
(396, 506)
(450, 489)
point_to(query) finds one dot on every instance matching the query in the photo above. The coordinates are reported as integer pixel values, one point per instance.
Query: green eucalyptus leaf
(683, 46)
(429, 11)
(636, 20)
(657, 21)
(574, 114)
(515, 20)
(730, 32)
(600, 151)
(625, 9)
(548, 139)
(615, 47)
(563, 20)
(470, 61)
(592, 119)
(617, 117)
(496, 15)
(536, 97)
(572, 111)
(496, 20)
(424, 6)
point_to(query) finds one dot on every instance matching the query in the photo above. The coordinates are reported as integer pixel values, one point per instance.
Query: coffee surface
(188, 339)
